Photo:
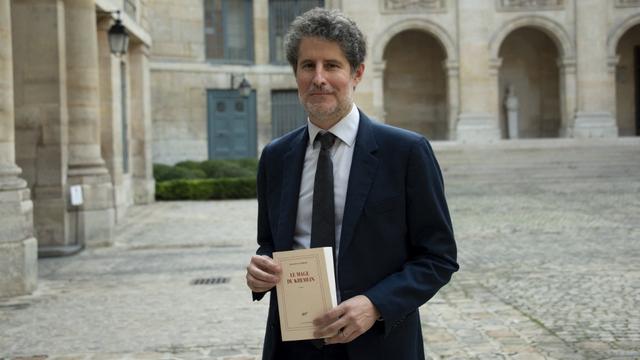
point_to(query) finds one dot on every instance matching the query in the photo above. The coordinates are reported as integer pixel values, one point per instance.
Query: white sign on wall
(76, 195)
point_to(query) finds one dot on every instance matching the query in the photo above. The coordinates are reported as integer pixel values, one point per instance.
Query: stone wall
(470, 48)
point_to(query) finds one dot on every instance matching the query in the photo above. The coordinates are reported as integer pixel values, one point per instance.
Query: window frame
(272, 33)
(249, 37)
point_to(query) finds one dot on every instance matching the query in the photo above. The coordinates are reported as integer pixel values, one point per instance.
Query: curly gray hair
(331, 25)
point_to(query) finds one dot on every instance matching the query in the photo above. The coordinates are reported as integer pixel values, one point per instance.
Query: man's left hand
(347, 321)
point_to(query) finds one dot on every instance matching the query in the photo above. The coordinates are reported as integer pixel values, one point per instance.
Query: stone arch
(566, 60)
(450, 64)
(421, 24)
(618, 31)
(555, 31)
(622, 43)
(529, 66)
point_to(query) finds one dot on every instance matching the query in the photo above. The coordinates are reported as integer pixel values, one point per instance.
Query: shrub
(160, 171)
(225, 169)
(206, 189)
(211, 179)
(184, 173)
(189, 164)
(249, 164)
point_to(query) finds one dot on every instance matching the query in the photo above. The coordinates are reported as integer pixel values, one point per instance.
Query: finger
(344, 336)
(348, 335)
(329, 317)
(266, 264)
(257, 285)
(331, 329)
(261, 274)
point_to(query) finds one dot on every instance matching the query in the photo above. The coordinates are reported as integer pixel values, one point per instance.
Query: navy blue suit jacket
(397, 245)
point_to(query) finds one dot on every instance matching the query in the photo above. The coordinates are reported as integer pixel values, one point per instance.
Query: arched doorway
(415, 84)
(529, 66)
(628, 83)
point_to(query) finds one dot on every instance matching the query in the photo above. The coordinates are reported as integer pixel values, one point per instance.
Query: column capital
(379, 66)
(567, 64)
(452, 67)
(612, 63)
(494, 66)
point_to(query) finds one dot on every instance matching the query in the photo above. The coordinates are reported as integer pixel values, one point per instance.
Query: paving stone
(549, 270)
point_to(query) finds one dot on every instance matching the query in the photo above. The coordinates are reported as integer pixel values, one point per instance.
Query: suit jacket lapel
(363, 169)
(291, 175)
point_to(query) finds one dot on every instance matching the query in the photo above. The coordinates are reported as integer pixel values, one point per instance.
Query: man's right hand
(263, 273)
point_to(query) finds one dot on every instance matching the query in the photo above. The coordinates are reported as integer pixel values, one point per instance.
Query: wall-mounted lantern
(244, 88)
(118, 37)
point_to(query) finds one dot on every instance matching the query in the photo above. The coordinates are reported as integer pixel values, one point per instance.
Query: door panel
(231, 125)
(286, 112)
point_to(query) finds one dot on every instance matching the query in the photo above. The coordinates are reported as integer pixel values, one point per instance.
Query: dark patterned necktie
(323, 229)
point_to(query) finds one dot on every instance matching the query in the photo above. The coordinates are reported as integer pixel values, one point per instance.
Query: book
(306, 290)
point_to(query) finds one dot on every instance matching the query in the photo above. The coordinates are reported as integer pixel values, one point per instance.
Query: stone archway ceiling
(529, 66)
(416, 95)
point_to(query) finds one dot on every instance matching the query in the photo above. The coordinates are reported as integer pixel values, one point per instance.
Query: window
(286, 112)
(281, 14)
(228, 29)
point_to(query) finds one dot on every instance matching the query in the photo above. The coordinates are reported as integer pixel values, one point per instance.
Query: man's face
(325, 81)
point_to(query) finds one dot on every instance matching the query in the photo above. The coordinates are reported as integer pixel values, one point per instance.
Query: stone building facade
(439, 67)
(71, 114)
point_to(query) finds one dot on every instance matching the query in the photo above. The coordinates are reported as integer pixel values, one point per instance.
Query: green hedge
(205, 180)
(211, 169)
(163, 172)
(206, 189)
(215, 169)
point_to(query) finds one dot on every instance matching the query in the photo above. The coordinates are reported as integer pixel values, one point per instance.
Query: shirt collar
(346, 129)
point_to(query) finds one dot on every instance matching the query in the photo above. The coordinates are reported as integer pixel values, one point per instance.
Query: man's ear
(357, 75)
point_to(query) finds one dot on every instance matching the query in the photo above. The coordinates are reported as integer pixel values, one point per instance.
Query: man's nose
(319, 76)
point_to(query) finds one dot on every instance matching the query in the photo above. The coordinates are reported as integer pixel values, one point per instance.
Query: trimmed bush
(176, 172)
(226, 169)
(249, 164)
(206, 180)
(189, 164)
(161, 171)
(206, 189)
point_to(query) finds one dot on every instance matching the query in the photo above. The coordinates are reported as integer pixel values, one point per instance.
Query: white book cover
(307, 289)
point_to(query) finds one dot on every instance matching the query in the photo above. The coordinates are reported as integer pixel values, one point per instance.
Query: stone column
(18, 247)
(111, 112)
(479, 115)
(378, 90)
(41, 117)
(453, 96)
(596, 85)
(141, 160)
(95, 218)
(261, 31)
(567, 71)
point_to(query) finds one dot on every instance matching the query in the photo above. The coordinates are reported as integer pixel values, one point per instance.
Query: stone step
(541, 159)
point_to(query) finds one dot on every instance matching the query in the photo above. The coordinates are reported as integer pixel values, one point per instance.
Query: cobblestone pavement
(549, 270)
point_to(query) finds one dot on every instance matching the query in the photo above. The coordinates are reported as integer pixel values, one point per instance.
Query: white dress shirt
(345, 131)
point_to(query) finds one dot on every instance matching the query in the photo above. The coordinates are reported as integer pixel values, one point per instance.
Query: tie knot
(326, 140)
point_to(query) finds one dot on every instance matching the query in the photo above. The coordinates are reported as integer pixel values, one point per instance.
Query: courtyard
(549, 248)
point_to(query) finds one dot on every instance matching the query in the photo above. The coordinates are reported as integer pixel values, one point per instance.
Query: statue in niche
(511, 104)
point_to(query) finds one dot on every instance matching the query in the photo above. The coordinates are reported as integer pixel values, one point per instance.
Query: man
(389, 221)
